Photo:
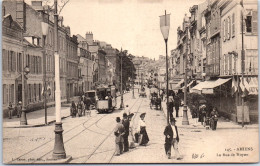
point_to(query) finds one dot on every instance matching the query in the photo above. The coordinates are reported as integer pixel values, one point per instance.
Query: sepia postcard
(129, 81)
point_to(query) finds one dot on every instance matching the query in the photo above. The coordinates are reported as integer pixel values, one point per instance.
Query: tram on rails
(106, 99)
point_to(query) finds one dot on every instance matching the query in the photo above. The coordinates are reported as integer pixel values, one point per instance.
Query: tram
(106, 101)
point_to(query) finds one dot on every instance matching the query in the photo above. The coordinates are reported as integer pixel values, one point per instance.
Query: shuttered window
(233, 25)
(254, 22)
(228, 28)
(4, 60)
(224, 30)
(5, 94)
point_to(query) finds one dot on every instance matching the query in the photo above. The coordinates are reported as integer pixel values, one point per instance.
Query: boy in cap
(171, 139)
(119, 132)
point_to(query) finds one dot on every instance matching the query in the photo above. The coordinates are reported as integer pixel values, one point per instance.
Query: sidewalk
(193, 124)
(36, 118)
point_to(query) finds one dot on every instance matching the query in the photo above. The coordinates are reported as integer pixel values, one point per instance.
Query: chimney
(89, 38)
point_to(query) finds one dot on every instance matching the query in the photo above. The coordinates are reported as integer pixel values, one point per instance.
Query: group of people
(82, 108)
(15, 108)
(125, 128)
(208, 117)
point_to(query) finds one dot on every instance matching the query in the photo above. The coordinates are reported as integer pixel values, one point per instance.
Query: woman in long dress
(143, 136)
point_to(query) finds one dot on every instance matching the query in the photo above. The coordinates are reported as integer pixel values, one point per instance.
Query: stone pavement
(36, 118)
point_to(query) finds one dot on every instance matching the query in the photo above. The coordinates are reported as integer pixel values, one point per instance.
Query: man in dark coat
(125, 122)
(177, 104)
(171, 139)
(119, 132)
(87, 103)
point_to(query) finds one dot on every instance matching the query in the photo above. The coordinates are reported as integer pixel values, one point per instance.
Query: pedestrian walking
(10, 110)
(73, 109)
(131, 131)
(119, 132)
(19, 109)
(87, 106)
(126, 124)
(202, 114)
(177, 103)
(79, 107)
(170, 107)
(143, 136)
(214, 118)
(171, 139)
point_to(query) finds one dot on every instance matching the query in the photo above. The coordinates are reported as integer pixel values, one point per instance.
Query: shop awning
(206, 87)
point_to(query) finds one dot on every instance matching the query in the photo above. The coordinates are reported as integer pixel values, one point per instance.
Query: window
(228, 28)
(5, 94)
(40, 91)
(233, 24)
(11, 93)
(5, 60)
(13, 61)
(249, 24)
(19, 62)
(34, 92)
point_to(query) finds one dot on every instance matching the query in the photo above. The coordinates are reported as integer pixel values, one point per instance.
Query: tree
(128, 69)
(61, 4)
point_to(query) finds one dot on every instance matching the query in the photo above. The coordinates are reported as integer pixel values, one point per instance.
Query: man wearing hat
(171, 139)
(119, 132)
(125, 123)
(19, 109)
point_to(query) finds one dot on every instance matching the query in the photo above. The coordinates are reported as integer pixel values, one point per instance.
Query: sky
(130, 24)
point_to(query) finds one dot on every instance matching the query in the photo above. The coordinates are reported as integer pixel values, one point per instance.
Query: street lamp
(45, 28)
(59, 150)
(185, 120)
(26, 70)
(165, 27)
(122, 98)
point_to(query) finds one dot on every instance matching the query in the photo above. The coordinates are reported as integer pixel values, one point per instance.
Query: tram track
(40, 146)
(108, 135)
(133, 123)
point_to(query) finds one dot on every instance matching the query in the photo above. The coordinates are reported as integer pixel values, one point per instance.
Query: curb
(35, 125)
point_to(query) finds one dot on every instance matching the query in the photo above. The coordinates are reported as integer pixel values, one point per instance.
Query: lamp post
(243, 63)
(165, 27)
(58, 151)
(185, 120)
(122, 98)
(45, 28)
(26, 70)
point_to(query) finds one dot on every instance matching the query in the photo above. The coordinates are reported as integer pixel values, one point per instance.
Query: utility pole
(243, 64)
(185, 120)
(122, 94)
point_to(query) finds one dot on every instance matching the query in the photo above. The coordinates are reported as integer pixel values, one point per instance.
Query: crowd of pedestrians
(126, 130)
(15, 109)
(81, 108)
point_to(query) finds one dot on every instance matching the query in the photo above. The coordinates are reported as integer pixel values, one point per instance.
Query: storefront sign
(207, 91)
